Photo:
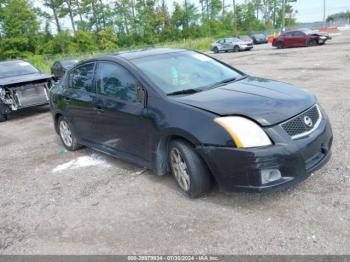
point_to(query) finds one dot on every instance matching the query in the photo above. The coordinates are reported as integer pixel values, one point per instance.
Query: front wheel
(189, 170)
(67, 137)
(3, 117)
(216, 50)
(312, 42)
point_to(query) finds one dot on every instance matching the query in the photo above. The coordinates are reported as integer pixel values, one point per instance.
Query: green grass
(44, 62)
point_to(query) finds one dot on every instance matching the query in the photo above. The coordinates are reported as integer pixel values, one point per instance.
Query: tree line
(106, 25)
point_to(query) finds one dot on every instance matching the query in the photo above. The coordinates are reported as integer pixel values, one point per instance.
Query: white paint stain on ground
(81, 162)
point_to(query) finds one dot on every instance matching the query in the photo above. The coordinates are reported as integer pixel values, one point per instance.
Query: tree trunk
(57, 21)
(71, 16)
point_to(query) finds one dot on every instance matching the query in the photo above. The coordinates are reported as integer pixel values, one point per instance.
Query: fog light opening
(270, 175)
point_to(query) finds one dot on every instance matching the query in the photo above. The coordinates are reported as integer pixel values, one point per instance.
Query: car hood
(23, 78)
(267, 102)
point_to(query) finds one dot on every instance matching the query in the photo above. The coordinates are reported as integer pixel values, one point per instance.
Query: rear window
(16, 68)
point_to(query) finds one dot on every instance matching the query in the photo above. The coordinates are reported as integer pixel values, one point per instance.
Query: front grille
(31, 94)
(297, 126)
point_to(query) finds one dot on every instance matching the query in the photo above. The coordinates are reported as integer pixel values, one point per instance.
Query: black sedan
(259, 39)
(59, 68)
(21, 86)
(185, 112)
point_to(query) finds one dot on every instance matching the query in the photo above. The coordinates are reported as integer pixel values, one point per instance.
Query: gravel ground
(58, 202)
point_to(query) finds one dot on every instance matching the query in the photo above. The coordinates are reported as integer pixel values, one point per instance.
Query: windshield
(16, 68)
(180, 71)
(244, 37)
(307, 30)
(259, 36)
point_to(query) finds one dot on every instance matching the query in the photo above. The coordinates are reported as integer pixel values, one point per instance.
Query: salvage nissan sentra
(179, 111)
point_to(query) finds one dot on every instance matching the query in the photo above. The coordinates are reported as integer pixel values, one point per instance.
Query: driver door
(121, 123)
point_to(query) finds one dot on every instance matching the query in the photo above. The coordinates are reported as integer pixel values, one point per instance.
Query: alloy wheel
(180, 170)
(66, 133)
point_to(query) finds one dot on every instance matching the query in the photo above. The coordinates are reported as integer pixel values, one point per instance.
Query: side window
(298, 34)
(82, 77)
(114, 81)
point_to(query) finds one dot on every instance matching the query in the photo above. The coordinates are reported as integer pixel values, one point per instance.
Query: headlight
(244, 132)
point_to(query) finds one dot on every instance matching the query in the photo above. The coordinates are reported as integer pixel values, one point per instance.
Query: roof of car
(11, 61)
(134, 54)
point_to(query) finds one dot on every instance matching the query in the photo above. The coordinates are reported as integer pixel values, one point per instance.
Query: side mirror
(141, 95)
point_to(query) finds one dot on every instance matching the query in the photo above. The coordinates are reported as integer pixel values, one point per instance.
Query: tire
(280, 45)
(216, 50)
(3, 118)
(70, 144)
(312, 42)
(236, 48)
(198, 179)
(3, 115)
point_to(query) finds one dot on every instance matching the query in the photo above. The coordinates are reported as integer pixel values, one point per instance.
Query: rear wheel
(236, 49)
(67, 137)
(189, 170)
(280, 45)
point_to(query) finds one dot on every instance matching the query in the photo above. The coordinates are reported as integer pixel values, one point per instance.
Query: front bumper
(245, 47)
(240, 169)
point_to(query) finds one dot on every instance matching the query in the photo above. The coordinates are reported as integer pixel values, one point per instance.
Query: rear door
(79, 100)
(288, 39)
(299, 38)
(228, 44)
(121, 124)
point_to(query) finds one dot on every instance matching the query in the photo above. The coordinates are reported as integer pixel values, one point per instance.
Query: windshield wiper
(225, 81)
(222, 82)
(184, 91)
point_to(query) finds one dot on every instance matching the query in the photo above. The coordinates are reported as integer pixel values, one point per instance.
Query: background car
(59, 68)
(299, 38)
(21, 85)
(200, 119)
(247, 39)
(230, 44)
(259, 38)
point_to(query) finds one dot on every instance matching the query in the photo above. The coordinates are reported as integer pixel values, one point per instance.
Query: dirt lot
(58, 202)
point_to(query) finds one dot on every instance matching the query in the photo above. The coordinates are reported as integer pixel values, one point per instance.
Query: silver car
(230, 44)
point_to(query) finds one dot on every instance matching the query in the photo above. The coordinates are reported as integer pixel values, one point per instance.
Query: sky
(312, 10)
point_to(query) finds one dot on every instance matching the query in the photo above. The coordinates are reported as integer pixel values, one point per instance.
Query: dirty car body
(21, 86)
(252, 134)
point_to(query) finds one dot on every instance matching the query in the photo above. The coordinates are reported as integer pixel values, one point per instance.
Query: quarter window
(82, 77)
(114, 81)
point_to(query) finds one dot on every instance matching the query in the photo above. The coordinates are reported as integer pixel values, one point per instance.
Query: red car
(299, 38)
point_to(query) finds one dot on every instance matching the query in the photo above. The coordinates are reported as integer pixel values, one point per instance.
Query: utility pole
(324, 12)
(283, 15)
(234, 18)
